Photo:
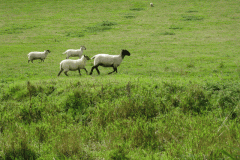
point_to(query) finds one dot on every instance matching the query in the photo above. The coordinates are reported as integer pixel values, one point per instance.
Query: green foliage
(128, 113)
(195, 100)
(69, 146)
(119, 153)
(17, 147)
(21, 153)
(144, 135)
(30, 114)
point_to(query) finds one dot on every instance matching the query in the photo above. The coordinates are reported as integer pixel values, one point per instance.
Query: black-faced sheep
(107, 60)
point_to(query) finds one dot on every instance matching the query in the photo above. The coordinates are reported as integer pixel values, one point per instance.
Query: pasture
(176, 97)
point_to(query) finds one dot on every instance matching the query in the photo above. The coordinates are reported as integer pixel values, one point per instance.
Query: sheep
(75, 52)
(38, 55)
(107, 60)
(151, 4)
(73, 65)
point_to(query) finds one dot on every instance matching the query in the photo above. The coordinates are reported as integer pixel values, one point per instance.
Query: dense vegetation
(176, 97)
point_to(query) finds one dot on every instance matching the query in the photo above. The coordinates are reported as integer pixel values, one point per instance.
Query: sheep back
(107, 60)
(72, 65)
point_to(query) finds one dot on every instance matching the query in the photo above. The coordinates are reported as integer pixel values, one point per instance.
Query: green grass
(176, 97)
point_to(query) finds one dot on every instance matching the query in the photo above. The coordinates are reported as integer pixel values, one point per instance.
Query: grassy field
(176, 97)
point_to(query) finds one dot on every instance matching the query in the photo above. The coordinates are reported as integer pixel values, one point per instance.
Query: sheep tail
(64, 52)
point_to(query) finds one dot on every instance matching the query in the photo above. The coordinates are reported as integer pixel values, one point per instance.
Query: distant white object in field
(151, 4)
(107, 60)
(37, 55)
(75, 52)
(73, 65)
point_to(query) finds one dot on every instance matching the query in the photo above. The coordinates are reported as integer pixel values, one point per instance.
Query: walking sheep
(73, 65)
(107, 60)
(37, 55)
(75, 52)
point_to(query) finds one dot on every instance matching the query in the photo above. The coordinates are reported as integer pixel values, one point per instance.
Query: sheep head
(87, 58)
(83, 47)
(125, 52)
(48, 51)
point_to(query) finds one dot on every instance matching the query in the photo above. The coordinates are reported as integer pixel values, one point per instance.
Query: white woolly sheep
(107, 60)
(37, 55)
(151, 4)
(73, 65)
(75, 52)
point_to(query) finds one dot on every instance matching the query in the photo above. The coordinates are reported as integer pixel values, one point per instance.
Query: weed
(100, 27)
(195, 100)
(30, 114)
(221, 65)
(175, 27)
(75, 34)
(190, 65)
(192, 18)
(137, 9)
(119, 153)
(191, 11)
(42, 134)
(143, 135)
(167, 33)
(129, 16)
(69, 146)
(230, 155)
(77, 100)
(19, 148)
(227, 99)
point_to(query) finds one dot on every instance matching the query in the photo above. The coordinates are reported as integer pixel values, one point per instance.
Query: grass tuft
(167, 33)
(136, 9)
(192, 18)
(100, 27)
(75, 34)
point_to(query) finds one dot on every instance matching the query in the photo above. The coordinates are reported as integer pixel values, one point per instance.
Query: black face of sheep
(87, 57)
(125, 53)
(48, 51)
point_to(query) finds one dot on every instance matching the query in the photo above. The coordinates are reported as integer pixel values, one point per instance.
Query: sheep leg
(86, 70)
(66, 73)
(96, 67)
(60, 72)
(92, 70)
(114, 70)
(79, 72)
(97, 70)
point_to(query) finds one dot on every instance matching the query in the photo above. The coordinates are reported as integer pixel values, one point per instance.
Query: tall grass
(120, 119)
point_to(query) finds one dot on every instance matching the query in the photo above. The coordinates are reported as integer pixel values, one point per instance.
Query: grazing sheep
(38, 55)
(151, 4)
(107, 60)
(73, 65)
(75, 52)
